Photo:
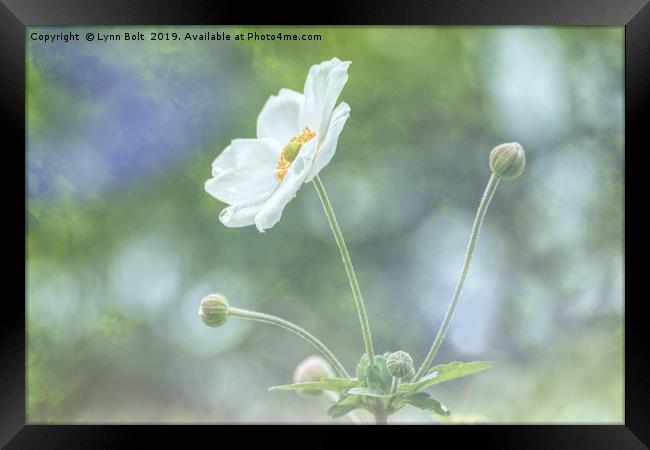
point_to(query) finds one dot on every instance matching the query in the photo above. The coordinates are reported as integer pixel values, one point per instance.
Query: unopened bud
(313, 368)
(400, 365)
(214, 310)
(508, 161)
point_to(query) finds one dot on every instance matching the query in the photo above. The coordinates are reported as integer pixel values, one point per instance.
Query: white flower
(296, 137)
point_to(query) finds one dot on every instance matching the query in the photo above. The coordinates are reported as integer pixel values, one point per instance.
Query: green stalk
(273, 320)
(478, 221)
(394, 386)
(381, 418)
(349, 270)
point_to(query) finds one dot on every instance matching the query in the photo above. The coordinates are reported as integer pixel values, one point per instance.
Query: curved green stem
(349, 270)
(480, 215)
(273, 320)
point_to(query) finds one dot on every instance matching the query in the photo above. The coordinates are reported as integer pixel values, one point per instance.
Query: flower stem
(349, 270)
(394, 385)
(478, 221)
(393, 390)
(273, 320)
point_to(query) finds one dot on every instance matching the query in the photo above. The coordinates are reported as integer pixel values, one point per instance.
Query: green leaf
(345, 405)
(340, 383)
(424, 401)
(379, 378)
(367, 392)
(445, 372)
(362, 367)
(340, 410)
(326, 384)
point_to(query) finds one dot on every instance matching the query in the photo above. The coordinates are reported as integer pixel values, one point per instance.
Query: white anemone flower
(296, 137)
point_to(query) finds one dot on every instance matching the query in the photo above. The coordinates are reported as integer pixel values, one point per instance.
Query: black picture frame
(634, 15)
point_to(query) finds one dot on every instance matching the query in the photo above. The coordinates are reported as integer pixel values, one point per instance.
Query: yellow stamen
(283, 167)
(291, 150)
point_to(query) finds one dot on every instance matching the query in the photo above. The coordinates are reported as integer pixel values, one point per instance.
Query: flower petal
(324, 83)
(279, 118)
(244, 171)
(240, 215)
(327, 148)
(271, 212)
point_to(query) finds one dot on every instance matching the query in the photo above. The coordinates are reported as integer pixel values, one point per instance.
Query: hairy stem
(478, 221)
(349, 270)
(273, 320)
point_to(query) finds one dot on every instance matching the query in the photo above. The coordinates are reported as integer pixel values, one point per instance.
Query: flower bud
(314, 368)
(214, 310)
(400, 365)
(508, 160)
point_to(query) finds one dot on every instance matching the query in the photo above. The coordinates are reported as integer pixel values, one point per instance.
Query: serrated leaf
(424, 401)
(445, 372)
(326, 384)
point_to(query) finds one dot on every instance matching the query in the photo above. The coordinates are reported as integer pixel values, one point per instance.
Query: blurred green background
(123, 242)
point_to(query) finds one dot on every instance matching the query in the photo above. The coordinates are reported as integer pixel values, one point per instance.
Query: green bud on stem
(508, 161)
(400, 365)
(214, 310)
